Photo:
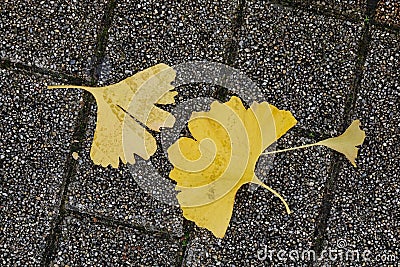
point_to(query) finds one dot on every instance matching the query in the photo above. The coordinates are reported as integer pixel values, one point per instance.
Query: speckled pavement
(327, 61)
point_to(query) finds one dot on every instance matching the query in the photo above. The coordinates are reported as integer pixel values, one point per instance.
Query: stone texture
(366, 206)
(149, 32)
(388, 11)
(302, 58)
(301, 61)
(35, 134)
(85, 243)
(355, 8)
(54, 35)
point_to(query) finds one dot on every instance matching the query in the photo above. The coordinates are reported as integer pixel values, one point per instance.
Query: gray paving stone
(366, 210)
(354, 8)
(388, 11)
(301, 61)
(35, 135)
(260, 226)
(85, 243)
(55, 35)
(144, 34)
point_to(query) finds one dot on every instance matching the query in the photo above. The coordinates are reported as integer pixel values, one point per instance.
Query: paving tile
(301, 62)
(260, 226)
(144, 34)
(151, 32)
(366, 210)
(55, 35)
(354, 8)
(35, 134)
(388, 11)
(85, 243)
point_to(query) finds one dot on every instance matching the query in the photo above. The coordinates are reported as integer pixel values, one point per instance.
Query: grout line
(233, 44)
(188, 228)
(321, 225)
(102, 40)
(232, 47)
(55, 234)
(111, 222)
(23, 68)
(53, 239)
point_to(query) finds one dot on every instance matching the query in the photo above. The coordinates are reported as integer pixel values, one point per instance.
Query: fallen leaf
(345, 143)
(121, 107)
(211, 168)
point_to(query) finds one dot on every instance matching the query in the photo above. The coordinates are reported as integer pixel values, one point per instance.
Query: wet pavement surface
(328, 62)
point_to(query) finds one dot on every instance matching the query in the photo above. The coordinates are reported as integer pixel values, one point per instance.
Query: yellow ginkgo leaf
(345, 143)
(211, 168)
(121, 107)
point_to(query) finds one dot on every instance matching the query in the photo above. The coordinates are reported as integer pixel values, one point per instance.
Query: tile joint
(322, 221)
(55, 235)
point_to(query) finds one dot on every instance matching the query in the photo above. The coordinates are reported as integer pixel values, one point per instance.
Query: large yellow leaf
(210, 168)
(228, 140)
(121, 107)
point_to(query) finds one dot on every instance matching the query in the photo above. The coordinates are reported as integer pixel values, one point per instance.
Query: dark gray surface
(304, 57)
(354, 8)
(35, 134)
(86, 243)
(151, 32)
(302, 62)
(55, 35)
(388, 11)
(366, 208)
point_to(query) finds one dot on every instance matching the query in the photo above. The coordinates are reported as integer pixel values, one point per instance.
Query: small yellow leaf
(121, 107)
(211, 168)
(347, 142)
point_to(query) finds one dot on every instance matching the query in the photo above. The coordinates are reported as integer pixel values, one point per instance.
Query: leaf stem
(257, 181)
(288, 149)
(87, 88)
